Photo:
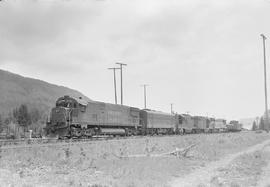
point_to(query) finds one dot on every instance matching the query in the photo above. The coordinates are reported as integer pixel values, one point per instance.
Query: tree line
(23, 118)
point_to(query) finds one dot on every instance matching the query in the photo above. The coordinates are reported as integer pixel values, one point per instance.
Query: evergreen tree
(254, 126)
(15, 115)
(35, 115)
(261, 124)
(23, 117)
(7, 121)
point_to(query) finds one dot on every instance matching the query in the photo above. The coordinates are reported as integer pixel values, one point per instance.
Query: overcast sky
(205, 56)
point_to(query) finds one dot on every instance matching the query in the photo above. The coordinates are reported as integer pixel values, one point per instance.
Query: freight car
(77, 118)
(234, 126)
(154, 122)
(210, 125)
(200, 124)
(219, 125)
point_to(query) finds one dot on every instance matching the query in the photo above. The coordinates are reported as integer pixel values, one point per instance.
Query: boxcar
(155, 122)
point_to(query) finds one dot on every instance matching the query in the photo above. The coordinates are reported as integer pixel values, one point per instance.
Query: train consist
(74, 117)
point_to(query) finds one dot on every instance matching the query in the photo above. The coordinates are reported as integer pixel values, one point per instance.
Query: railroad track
(39, 142)
(47, 142)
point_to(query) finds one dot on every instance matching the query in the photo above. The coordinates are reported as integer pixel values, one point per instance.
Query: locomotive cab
(66, 102)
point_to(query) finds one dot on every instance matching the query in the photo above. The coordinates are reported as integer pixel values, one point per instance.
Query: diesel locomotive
(75, 117)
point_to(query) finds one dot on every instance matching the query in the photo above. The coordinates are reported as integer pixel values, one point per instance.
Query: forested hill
(16, 90)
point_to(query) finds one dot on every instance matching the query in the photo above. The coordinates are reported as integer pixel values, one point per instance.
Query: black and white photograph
(141, 93)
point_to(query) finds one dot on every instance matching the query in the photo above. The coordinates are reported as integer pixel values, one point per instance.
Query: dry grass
(99, 164)
(243, 171)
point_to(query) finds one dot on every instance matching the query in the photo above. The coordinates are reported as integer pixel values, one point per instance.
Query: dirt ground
(227, 159)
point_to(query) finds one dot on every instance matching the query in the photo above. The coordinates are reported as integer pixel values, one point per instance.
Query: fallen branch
(177, 152)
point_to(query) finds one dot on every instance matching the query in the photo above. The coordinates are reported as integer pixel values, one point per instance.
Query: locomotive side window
(60, 103)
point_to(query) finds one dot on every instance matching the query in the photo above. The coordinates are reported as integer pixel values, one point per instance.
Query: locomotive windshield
(66, 103)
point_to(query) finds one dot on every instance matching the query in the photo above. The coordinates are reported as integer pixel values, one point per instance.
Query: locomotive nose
(59, 122)
(59, 116)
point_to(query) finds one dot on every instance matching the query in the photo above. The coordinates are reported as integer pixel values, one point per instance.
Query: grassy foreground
(108, 163)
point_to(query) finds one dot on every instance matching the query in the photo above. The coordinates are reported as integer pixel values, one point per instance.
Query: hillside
(16, 90)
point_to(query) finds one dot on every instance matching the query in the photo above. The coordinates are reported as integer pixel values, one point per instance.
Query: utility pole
(144, 90)
(121, 68)
(171, 108)
(115, 93)
(265, 85)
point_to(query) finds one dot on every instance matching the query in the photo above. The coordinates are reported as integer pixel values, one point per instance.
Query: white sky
(205, 56)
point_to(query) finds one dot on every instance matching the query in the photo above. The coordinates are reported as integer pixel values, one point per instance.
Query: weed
(97, 185)
(21, 173)
(71, 183)
(27, 185)
(83, 154)
(147, 148)
(67, 153)
(106, 155)
(123, 150)
(91, 165)
(221, 141)
(234, 184)
(201, 185)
